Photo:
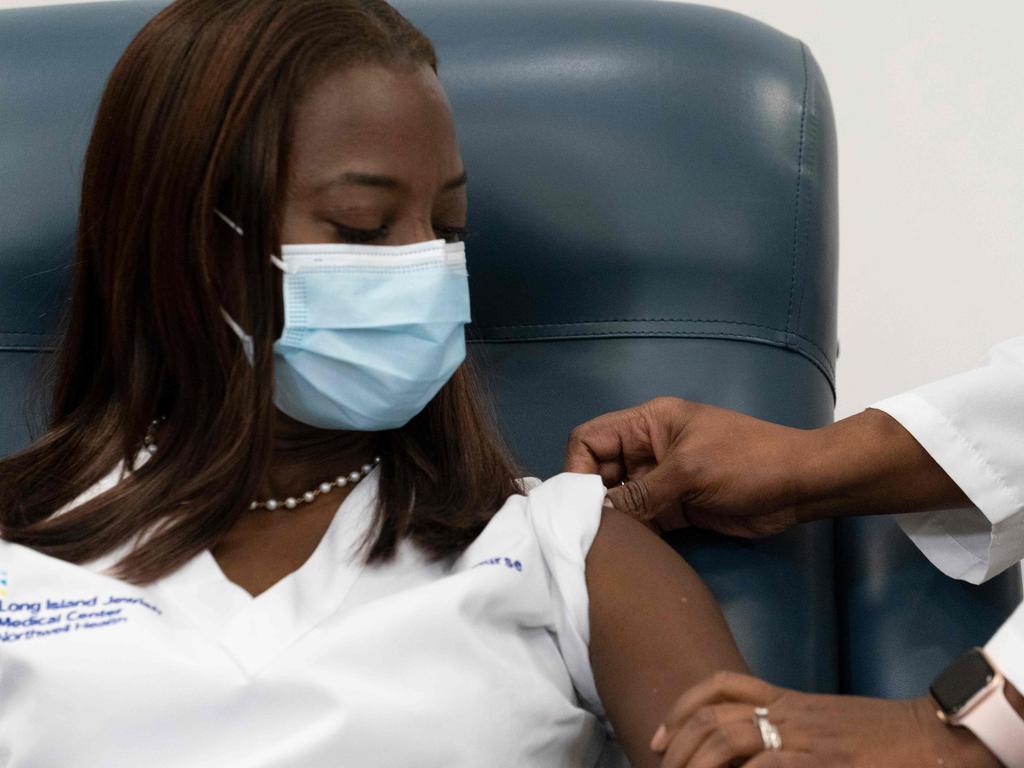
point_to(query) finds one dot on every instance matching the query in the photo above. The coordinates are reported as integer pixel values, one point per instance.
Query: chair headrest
(636, 168)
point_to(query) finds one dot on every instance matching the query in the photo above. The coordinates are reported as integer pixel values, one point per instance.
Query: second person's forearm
(868, 464)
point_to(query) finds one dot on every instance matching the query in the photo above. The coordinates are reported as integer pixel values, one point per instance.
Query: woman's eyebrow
(388, 182)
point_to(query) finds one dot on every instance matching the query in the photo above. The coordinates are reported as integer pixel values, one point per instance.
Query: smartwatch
(970, 693)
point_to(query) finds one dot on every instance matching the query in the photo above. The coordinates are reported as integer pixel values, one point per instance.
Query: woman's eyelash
(352, 235)
(453, 234)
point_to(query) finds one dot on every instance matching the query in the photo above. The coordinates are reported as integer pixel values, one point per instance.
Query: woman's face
(375, 159)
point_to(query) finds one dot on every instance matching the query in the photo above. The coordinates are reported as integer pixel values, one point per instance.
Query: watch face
(962, 679)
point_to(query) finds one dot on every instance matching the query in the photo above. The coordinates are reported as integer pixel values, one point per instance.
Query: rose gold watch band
(991, 717)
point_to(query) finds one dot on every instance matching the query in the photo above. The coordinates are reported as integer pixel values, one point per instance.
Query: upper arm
(655, 630)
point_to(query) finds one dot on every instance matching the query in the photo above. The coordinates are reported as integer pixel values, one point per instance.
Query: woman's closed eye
(365, 236)
(353, 235)
(452, 234)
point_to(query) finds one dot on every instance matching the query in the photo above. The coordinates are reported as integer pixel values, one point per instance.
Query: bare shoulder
(626, 557)
(655, 630)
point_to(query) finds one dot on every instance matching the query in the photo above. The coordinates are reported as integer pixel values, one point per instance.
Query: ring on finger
(770, 736)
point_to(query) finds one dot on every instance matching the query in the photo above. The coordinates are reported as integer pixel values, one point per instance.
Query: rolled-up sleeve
(972, 424)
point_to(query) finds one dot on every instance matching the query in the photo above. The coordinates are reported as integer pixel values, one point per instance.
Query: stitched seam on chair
(824, 355)
(639, 320)
(826, 359)
(799, 180)
(627, 334)
(822, 364)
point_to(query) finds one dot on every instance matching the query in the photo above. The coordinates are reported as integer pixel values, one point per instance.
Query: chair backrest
(654, 185)
(654, 190)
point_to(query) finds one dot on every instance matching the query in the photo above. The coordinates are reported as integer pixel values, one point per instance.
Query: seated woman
(270, 524)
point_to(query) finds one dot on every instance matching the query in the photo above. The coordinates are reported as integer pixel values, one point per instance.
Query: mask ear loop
(276, 261)
(230, 223)
(245, 338)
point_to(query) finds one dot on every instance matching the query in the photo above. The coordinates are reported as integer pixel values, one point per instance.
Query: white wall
(930, 113)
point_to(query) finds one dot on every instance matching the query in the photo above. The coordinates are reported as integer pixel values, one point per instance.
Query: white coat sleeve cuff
(1006, 649)
(972, 544)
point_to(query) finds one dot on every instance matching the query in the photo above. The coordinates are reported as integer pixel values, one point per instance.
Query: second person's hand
(681, 463)
(685, 463)
(712, 726)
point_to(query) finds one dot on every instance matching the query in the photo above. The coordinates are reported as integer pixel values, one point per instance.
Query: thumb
(646, 496)
(579, 458)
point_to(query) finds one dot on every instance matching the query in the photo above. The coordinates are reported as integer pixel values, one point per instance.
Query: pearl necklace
(291, 502)
(325, 487)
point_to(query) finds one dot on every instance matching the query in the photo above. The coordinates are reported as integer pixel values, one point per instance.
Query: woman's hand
(684, 463)
(712, 726)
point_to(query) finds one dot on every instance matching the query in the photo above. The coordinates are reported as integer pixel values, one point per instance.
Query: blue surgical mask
(371, 333)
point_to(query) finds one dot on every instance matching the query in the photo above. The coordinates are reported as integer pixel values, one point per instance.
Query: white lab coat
(476, 660)
(972, 424)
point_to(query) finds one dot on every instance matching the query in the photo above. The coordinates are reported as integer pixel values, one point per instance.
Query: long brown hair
(197, 115)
